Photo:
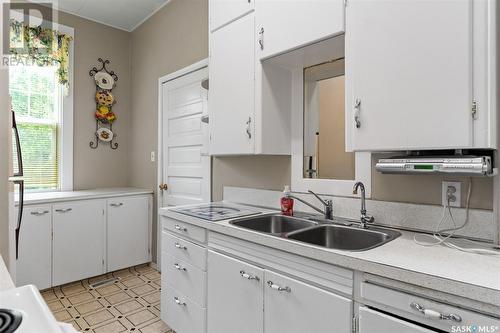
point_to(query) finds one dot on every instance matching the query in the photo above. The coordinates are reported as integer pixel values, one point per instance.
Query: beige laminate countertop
(469, 275)
(62, 196)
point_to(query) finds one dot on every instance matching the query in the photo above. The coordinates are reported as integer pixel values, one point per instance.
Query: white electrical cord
(439, 239)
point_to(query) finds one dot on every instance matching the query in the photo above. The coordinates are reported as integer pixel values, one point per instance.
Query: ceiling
(122, 14)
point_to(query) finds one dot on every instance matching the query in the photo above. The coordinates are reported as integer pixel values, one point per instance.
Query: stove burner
(9, 320)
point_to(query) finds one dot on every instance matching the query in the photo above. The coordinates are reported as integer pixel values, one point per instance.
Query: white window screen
(36, 101)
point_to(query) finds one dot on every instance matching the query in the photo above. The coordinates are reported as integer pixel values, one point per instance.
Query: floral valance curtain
(41, 46)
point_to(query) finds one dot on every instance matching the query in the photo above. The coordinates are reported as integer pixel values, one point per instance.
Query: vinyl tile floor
(129, 304)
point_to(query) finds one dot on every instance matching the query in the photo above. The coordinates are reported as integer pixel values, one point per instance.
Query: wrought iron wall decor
(105, 81)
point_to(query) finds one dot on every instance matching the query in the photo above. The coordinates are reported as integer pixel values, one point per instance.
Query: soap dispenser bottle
(286, 202)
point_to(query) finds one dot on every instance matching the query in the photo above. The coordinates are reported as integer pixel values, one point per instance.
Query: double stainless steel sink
(337, 234)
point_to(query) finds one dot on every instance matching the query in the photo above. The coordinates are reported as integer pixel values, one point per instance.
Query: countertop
(472, 276)
(61, 196)
(5, 279)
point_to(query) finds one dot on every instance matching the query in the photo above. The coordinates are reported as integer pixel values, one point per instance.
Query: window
(37, 103)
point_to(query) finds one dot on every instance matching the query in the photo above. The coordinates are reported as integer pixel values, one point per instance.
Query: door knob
(163, 187)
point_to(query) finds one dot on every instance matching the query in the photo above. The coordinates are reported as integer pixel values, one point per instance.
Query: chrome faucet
(364, 218)
(328, 210)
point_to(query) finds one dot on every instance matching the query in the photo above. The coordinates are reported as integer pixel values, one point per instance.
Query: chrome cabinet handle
(64, 210)
(40, 213)
(178, 301)
(178, 227)
(179, 268)
(249, 129)
(248, 276)
(278, 288)
(116, 204)
(432, 314)
(179, 246)
(261, 38)
(357, 109)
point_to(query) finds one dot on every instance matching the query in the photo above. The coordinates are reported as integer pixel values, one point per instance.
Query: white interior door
(186, 165)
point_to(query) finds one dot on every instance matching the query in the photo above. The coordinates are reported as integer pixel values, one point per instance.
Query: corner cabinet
(232, 89)
(420, 75)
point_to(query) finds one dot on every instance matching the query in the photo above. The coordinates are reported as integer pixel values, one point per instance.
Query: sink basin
(273, 224)
(344, 237)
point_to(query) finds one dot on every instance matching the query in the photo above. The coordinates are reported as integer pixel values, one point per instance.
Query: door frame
(159, 152)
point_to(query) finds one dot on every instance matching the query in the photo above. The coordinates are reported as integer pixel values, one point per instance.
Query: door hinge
(474, 109)
(103, 262)
(345, 3)
(103, 213)
(354, 324)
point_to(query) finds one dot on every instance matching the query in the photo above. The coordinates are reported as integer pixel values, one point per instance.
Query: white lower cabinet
(246, 298)
(371, 321)
(294, 306)
(127, 232)
(34, 264)
(235, 295)
(78, 240)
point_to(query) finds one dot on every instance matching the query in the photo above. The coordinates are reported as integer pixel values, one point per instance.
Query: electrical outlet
(153, 156)
(454, 189)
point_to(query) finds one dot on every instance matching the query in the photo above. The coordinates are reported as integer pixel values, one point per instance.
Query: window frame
(65, 134)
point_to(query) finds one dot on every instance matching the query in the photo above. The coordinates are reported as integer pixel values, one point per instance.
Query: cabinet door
(78, 241)
(283, 25)
(127, 232)
(371, 321)
(408, 74)
(35, 248)
(294, 306)
(231, 94)
(235, 296)
(224, 11)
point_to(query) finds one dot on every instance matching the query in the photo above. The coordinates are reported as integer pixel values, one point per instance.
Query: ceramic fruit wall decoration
(105, 81)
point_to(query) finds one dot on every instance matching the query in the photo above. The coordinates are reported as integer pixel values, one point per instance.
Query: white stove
(215, 211)
(23, 310)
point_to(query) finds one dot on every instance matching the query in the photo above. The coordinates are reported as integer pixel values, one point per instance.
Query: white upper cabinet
(414, 71)
(225, 11)
(248, 102)
(232, 88)
(283, 25)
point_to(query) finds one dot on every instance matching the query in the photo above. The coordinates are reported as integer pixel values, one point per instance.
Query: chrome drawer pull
(178, 267)
(180, 247)
(278, 288)
(178, 227)
(178, 302)
(248, 276)
(432, 314)
(116, 204)
(40, 213)
(65, 210)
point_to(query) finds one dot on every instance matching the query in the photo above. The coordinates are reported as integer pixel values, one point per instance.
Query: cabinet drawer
(400, 303)
(371, 321)
(181, 313)
(184, 277)
(186, 251)
(185, 229)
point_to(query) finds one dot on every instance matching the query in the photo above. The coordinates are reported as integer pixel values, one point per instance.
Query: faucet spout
(328, 205)
(364, 219)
